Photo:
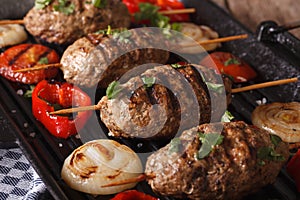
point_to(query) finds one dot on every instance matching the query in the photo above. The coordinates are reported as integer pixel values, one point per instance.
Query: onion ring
(281, 119)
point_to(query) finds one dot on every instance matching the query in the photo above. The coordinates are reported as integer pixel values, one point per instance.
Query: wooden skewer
(177, 11)
(137, 179)
(235, 90)
(17, 21)
(224, 39)
(39, 67)
(164, 12)
(73, 110)
(264, 85)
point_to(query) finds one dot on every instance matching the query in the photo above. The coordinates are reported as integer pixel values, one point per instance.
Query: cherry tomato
(133, 195)
(226, 63)
(26, 56)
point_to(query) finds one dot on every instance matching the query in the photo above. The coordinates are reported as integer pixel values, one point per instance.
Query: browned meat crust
(101, 59)
(181, 92)
(231, 171)
(57, 27)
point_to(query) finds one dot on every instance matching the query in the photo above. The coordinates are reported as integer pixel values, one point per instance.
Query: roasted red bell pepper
(46, 96)
(133, 195)
(26, 56)
(293, 169)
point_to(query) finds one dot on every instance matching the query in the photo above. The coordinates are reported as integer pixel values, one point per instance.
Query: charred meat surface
(61, 28)
(100, 59)
(178, 100)
(234, 168)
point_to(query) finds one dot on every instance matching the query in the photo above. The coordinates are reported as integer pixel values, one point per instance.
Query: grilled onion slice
(11, 34)
(281, 119)
(197, 33)
(101, 162)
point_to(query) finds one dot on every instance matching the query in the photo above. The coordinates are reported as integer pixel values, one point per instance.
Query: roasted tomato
(133, 195)
(26, 56)
(231, 65)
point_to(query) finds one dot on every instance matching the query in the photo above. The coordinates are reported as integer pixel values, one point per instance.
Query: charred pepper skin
(46, 95)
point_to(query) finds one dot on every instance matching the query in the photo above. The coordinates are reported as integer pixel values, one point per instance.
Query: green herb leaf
(113, 89)
(99, 3)
(64, 6)
(215, 87)
(177, 66)
(28, 93)
(227, 117)
(175, 145)
(40, 4)
(209, 141)
(268, 153)
(148, 81)
(275, 139)
(123, 36)
(43, 60)
(231, 61)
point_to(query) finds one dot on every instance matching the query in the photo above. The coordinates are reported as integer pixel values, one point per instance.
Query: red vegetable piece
(133, 195)
(293, 169)
(26, 56)
(226, 63)
(46, 95)
(173, 5)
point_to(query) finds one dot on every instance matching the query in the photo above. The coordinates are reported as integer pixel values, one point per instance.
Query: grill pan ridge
(47, 153)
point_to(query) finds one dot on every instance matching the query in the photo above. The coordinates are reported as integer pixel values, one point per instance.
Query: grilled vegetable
(133, 195)
(231, 65)
(281, 119)
(100, 162)
(26, 56)
(11, 34)
(47, 96)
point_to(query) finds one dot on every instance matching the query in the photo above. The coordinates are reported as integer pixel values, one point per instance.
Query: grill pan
(47, 153)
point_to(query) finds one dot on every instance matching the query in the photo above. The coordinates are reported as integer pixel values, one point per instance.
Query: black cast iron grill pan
(47, 153)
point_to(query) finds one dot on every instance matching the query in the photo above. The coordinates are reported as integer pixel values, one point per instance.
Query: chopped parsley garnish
(209, 141)
(231, 61)
(64, 6)
(28, 93)
(175, 145)
(40, 4)
(99, 3)
(177, 66)
(123, 36)
(43, 60)
(227, 117)
(269, 153)
(215, 87)
(148, 81)
(150, 12)
(275, 140)
(113, 89)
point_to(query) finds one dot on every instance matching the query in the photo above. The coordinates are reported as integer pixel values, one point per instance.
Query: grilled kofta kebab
(173, 100)
(64, 22)
(239, 162)
(99, 59)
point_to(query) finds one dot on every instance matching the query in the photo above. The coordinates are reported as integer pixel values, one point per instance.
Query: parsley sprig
(64, 6)
(40, 4)
(113, 89)
(150, 12)
(209, 141)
